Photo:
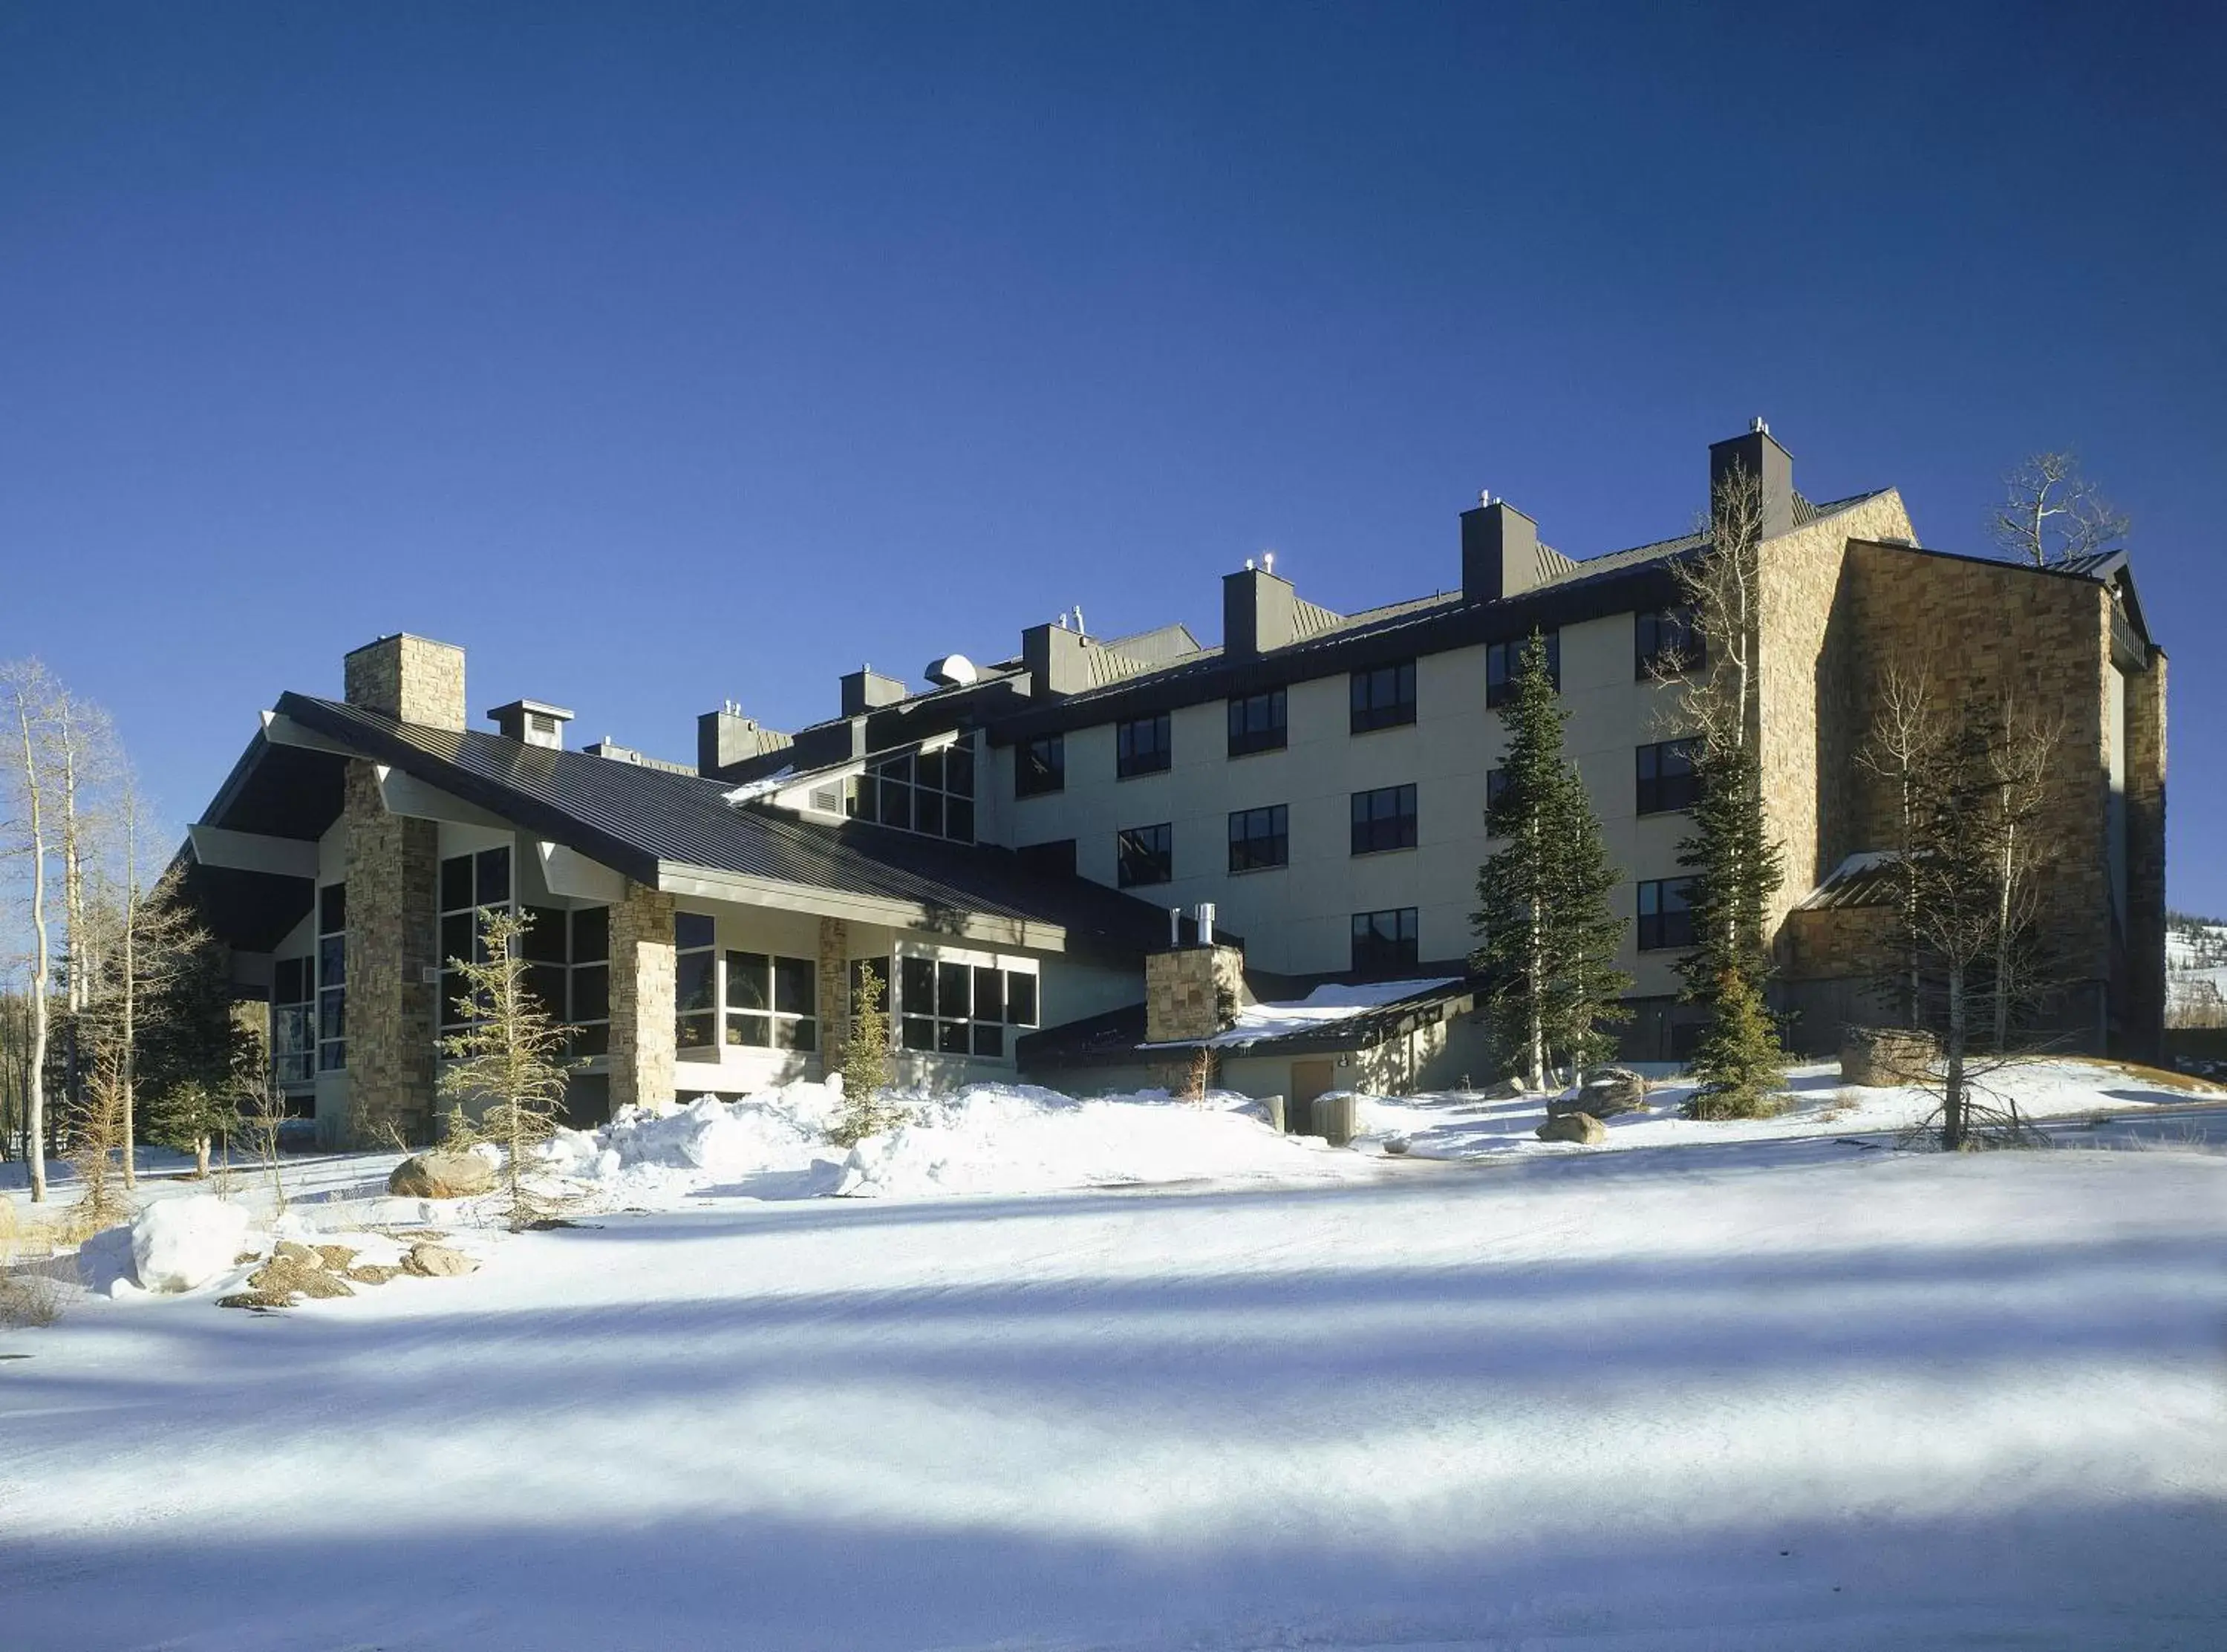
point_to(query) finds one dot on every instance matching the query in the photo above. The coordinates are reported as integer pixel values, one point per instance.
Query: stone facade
(642, 998)
(1840, 608)
(393, 862)
(1191, 992)
(412, 678)
(834, 1002)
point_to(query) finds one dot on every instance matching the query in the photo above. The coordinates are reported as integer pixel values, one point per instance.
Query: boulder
(288, 1250)
(1580, 1127)
(178, 1244)
(1606, 1090)
(442, 1176)
(1880, 1056)
(437, 1262)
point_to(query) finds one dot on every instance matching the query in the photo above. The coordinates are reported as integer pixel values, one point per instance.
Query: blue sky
(661, 354)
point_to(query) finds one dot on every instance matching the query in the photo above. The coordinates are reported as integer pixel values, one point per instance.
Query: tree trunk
(35, 1078)
(200, 1159)
(2003, 935)
(1952, 1103)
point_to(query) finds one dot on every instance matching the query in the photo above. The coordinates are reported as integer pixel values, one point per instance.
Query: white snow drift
(183, 1244)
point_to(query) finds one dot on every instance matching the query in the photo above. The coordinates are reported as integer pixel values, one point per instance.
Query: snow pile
(181, 1244)
(1002, 1139)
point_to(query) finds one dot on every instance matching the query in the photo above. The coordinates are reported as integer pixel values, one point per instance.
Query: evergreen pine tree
(507, 1059)
(1547, 936)
(866, 1107)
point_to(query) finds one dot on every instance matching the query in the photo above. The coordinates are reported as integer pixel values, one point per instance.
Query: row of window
(928, 792)
(1386, 943)
(1665, 643)
(764, 1001)
(1383, 819)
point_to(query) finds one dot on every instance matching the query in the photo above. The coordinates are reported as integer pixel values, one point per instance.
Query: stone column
(393, 864)
(643, 989)
(1191, 992)
(834, 992)
(2142, 1019)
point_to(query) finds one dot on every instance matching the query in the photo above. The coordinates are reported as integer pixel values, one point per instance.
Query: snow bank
(998, 1139)
(180, 1244)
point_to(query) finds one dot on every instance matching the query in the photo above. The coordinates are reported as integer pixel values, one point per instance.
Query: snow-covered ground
(1797, 1393)
(2196, 971)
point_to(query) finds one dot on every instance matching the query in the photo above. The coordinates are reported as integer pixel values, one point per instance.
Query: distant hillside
(2195, 971)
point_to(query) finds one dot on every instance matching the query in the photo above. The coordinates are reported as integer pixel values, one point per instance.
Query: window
(1145, 855)
(294, 1020)
(1057, 856)
(1384, 942)
(1141, 746)
(1040, 766)
(1495, 787)
(1384, 819)
(1383, 697)
(952, 1007)
(470, 886)
(1667, 642)
(928, 792)
(1257, 724)
(1504, 659)
(589, 1011)
(1260, 839)
(1667, 781)
(332, 978)
(693, 959)
(1665, 921)
(772, 1002)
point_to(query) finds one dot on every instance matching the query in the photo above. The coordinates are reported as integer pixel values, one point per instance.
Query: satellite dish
(952, 671)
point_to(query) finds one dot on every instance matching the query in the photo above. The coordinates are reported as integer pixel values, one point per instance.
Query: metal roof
(1117, 1037)
(634, 819)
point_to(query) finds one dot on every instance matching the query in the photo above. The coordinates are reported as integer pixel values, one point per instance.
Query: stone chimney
(1260, 611)
(532, 722)
(1763, 459)
(410, 678)
(1500, 550)
(1192, 992)
(865, 689)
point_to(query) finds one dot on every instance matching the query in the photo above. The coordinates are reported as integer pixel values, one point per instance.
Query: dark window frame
(1040, 766)
(1380, 957)
(1381, 697)
(1504, 659)
(1142, 745)
(1260, 839)
(1669, 638)
(1268, 730)
(1383, 819)
(1663, 777)
(1665, 925)
(1145, 849)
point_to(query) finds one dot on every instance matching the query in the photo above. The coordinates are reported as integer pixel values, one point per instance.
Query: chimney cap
(538, 708)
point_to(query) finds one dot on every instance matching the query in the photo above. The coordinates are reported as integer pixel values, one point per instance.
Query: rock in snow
(429, 1261)
(1580, 1127)
(441, 1175)
(180, 1244)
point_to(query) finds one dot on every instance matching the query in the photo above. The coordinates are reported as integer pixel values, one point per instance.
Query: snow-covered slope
(2195, 972)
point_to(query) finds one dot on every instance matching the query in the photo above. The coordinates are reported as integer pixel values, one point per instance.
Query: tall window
(928, 792)
(1665, 921)
(1496, 785)
(957, 1008)
(1384, 943)
(472, 884)
(1260, 839)
(694, 1001)
(1145, 855)
(1257, 722)
(332, 978)
(294, 1020)
(569, 970)
(1667, 781)
(1040, 766)
(1667, 642)
(1384, 819)
(772, 1002)
(1383, 697)
(1503, 661)
(1141, 746)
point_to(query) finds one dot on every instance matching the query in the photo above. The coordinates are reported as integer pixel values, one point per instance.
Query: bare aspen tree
(1908, 729)
(30, 691)
(2050, 513)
